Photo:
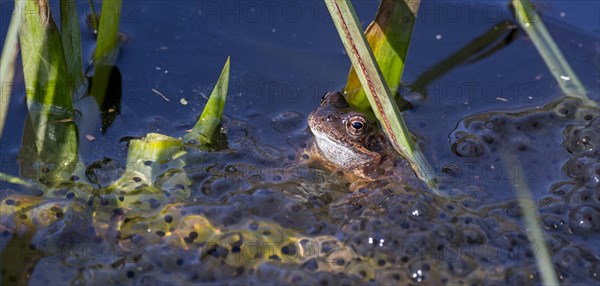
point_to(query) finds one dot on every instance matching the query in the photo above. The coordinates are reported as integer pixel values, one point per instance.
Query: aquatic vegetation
(377, 90)
(7, 66)
(210, 119)
(533, 25)
(191, 210)
(389, 37)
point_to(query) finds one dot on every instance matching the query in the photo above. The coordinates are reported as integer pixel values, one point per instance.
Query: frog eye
(356, 125)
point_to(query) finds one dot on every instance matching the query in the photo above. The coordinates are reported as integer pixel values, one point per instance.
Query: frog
(346, 140)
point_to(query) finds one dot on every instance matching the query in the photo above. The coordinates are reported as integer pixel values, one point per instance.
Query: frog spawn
(572, 211)
(188, 248)
(387, 234)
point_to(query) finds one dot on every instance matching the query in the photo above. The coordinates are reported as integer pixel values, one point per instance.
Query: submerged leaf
(154, 175)
(531, 218)
(7, 65)
(488, 43)
(389, 37)
(50, 147)
(105, 86)
(204, 129)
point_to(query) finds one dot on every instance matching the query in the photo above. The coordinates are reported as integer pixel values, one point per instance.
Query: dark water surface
(257, 212)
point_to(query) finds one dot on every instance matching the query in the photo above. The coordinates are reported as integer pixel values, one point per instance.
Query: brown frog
(346, 140)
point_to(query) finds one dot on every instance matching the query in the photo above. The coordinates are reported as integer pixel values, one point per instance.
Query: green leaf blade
(389, 38)
(533, 25)
(50, 145)
(7, 65)
(71, 40)
(108, 32)
(210, 119)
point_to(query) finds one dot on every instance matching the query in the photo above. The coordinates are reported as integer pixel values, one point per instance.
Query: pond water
(257, 212)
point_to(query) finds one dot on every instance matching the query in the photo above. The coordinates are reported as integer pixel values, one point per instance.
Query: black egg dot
(154, 203)
(193, 235)
(179, 262)
(311, 265)
(160, 233)
(130, 274)
(70, 195)
(136, 238)
(10, 202)
(288, 250)
(357, 125)
(137, 179)
(168, 219)
(405, 225)
(147, 163)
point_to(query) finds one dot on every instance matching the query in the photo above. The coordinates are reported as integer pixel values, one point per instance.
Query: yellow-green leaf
(389, 38)
(108, 32)
(210, 119)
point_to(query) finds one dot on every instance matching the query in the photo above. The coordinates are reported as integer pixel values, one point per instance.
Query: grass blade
(485, 45)
(532, 218)
(108, 32)
(50, 148)
(71, 40)
(7, 65)
(533, 25)
(14, 180)
(210, 119)
(389, 37)
(107, 45)
(94, 16)
(377, 90)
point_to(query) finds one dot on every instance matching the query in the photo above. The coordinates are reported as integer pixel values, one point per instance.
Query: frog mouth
(338, 153)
